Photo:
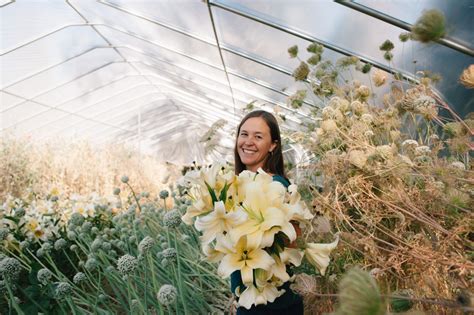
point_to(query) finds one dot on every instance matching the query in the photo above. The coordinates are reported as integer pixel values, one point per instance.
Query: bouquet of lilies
(248, 223)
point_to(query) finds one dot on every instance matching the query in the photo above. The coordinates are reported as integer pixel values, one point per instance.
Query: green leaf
(212, 193)
(223, 195)
(29, 308)
(16, 220)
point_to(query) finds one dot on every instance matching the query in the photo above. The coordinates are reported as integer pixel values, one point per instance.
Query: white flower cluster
(239, 229)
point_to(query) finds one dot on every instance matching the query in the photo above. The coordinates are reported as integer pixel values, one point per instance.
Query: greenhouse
(236, 157)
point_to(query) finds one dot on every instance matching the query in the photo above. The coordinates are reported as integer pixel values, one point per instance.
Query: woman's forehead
(255, 124)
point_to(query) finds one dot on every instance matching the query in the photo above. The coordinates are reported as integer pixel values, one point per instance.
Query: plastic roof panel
(194, 20)
(66, 72)
(38, 55)
(23, 21)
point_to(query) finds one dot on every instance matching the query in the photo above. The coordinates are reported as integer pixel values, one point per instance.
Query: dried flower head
(458, 165)
(124, 179)
(359, 294)
(467, 77)
(10, 269)
(357, 158)
(366, 68)
(167, 294)
(296, 100)
(422, 150)
(362, 92)
(116, 191)
(145, 245)
(127, 264)
(379, 77)
(358, 108)
(79, 278)
(387, 45)
(315, 48)
(314, 59)
(404, 36)
(44, 276)
(301, 73)
(430, 26)
(293, 51)
(328, 125)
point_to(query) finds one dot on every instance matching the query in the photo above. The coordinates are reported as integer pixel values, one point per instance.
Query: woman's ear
(273, 146)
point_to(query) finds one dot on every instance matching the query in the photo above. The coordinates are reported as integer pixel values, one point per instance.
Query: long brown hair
(273, 162)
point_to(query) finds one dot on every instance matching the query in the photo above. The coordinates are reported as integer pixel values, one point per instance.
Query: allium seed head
(79, 278)
(167, 294)
(44, 276)
(10, 269)
(60, 244)
(63, 289)
(172, 219)
(127, 264)
(146, 244)
(91, 264)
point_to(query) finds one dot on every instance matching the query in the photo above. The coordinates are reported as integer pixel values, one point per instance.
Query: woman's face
(254, 143)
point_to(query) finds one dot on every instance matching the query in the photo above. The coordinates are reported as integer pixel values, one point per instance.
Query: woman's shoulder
(281, 179)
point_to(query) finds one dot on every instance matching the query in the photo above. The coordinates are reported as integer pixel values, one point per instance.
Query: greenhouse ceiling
(158, 74)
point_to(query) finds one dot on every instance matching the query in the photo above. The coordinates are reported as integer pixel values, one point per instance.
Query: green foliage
(103, 289)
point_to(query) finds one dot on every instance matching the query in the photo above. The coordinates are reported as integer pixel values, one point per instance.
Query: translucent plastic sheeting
(19, 113)
(46, 52)
(189, 16)
(23, 21)
(7, 101)
(64, 73)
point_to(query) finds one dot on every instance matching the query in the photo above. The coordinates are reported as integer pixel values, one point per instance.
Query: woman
(258, 145)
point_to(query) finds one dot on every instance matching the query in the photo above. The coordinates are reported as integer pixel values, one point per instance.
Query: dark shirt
(288, 298)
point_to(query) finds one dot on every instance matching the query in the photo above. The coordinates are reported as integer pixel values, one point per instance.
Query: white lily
(218, 221)
(265, 291)
(318, 254)
(200, 206)
(212, 255)
(243, 258)
(267, 216)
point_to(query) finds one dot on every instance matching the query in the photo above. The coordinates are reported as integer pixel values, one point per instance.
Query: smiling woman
(258, 145)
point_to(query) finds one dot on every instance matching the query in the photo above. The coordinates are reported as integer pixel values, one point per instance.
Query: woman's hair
(274, 162)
